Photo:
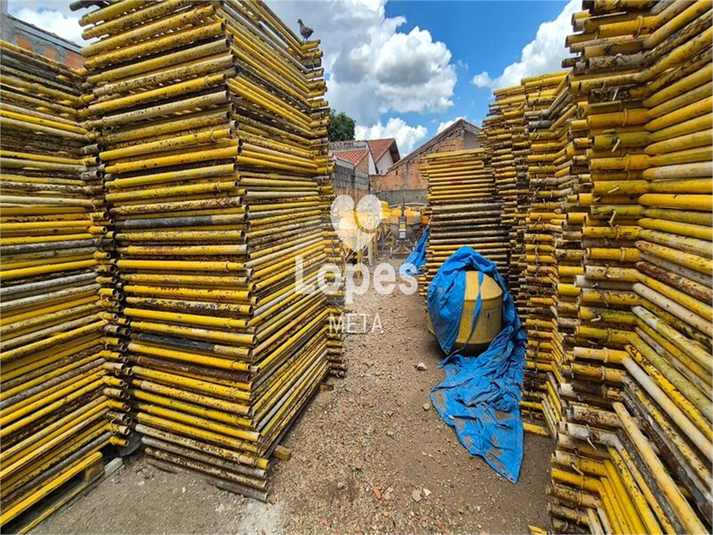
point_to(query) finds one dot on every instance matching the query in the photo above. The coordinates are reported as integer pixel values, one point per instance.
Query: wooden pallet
(85, 479)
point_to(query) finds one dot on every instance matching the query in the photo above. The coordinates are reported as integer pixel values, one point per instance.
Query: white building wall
(384, 163)
(372, 165)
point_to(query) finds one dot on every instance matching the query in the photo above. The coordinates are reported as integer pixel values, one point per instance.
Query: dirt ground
(369, 456)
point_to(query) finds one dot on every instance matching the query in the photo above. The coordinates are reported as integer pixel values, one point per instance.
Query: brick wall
(40, 42)
(363, 166)
(354, 193)
(406, 183)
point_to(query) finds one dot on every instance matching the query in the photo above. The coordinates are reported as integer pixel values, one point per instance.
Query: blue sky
(482, 36)
(404, 68)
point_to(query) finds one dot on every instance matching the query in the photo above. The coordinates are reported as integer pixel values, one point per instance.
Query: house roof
(353, 156)
(46, 35)
(342, 162)
(376, 147)
(379, 147)
(460, 123)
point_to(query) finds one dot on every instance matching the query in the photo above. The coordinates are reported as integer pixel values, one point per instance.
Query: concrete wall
(470, 140)
(398, 197)
(348, 145)
(350, 181)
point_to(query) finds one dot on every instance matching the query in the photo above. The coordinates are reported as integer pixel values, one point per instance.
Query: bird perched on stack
(305, 31)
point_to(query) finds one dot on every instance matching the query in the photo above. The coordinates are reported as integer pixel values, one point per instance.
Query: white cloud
(482, 80)
(542, 55)
(56, 18)
(446, 124)
(407, 137)
(374, 68)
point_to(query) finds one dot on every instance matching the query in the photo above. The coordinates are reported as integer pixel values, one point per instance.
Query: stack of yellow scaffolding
(504, 134)
(465, 209)
(52, 410)
(571, 180)
(213, 133)
(548, 183)
(672, 349)
(518, 198)
(634, 448)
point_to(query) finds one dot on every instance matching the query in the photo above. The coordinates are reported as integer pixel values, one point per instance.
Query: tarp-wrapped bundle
(413, 265)
(212, 130)
(480, 395)
(54, 370)
(465, 209)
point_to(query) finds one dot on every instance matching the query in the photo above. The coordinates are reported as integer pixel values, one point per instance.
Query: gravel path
(369, 456)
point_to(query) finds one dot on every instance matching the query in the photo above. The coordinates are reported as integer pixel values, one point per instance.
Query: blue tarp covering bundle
(480, 396)
(415, 261)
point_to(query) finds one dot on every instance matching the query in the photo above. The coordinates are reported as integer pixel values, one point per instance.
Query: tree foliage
(341, 127)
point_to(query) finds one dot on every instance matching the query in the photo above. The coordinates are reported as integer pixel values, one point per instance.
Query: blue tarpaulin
(480, 395)
(415, 261)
